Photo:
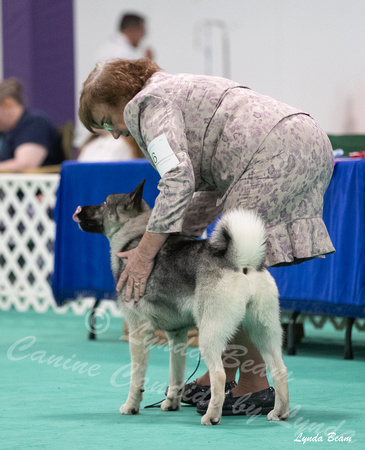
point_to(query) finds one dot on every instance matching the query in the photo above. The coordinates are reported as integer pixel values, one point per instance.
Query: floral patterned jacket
(213, 125)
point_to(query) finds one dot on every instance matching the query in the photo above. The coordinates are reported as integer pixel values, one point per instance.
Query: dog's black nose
(75, 215)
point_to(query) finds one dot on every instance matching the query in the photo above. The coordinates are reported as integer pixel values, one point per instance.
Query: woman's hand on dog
(135, 274)
(139, 265)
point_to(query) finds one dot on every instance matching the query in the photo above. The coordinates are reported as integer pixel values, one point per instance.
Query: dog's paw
(170, 404)
(208, 420)
(128, 409)
(277, 415)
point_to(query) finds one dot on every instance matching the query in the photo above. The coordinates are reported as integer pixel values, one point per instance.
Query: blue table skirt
(82, 260)
(333, 286)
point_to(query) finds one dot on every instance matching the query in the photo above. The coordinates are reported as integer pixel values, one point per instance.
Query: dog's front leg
(177, 344)
(140, 338)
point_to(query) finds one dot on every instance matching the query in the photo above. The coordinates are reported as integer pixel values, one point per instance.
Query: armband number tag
(162, 154)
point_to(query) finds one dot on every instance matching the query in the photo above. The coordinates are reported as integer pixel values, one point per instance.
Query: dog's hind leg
(279, 376)
(140, 338)
(262, 322)
(212, 347)
(177, 344)
(269, 346)
(218, 314)
(272, 356)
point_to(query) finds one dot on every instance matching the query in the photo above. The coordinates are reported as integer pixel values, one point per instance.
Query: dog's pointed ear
(136, 197)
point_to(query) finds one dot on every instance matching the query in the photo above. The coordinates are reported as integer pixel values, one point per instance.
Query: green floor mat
(58, 390)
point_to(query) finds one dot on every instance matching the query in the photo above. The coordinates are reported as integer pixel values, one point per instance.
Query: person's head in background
(133, 27)
(11, 103)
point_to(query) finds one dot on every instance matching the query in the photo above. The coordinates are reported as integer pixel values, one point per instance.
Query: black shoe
(195, 393)
(258, 403)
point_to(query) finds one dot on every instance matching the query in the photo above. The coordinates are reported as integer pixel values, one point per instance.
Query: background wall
(37, 48)
(308, 54)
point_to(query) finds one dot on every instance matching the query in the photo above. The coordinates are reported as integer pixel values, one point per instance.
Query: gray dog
(214, 285)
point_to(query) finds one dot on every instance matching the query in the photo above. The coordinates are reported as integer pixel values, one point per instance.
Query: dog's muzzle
(75, 215)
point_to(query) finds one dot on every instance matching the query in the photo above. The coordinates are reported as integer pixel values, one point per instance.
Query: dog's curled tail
(241, 235)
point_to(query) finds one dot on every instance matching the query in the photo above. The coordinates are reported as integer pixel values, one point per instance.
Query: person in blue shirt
(29, 139)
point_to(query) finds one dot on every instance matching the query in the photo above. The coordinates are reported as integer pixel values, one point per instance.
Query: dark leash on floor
(157, 404)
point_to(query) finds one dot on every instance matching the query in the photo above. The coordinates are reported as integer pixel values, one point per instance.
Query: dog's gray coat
(214, 285)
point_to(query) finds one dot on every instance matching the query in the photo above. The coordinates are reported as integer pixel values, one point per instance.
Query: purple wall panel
(38, 48)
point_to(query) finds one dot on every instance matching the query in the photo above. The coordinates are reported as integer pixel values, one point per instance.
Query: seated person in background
(101, 146)
(29, 140)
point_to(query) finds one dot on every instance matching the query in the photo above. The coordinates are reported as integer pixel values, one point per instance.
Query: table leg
(291, 350)
(349, 354)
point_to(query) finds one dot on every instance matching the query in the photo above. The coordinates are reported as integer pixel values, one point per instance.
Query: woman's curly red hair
(112, 83)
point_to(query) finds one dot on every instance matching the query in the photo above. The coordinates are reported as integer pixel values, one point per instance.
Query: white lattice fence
(27, 234)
